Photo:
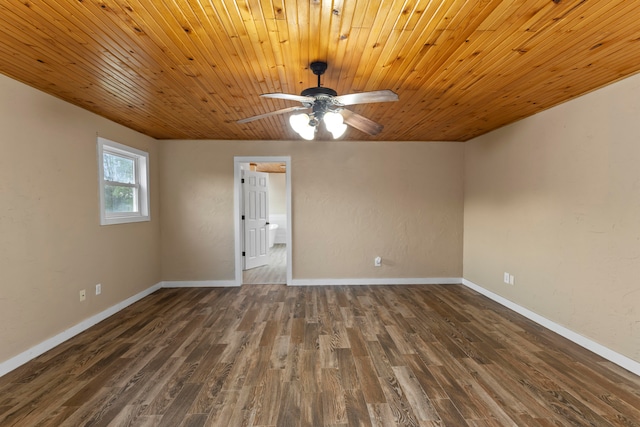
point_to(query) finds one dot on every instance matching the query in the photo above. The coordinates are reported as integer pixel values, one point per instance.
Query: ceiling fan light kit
(327, 106)
(306, 126)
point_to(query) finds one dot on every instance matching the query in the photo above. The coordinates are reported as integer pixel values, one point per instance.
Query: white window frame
(141, 159)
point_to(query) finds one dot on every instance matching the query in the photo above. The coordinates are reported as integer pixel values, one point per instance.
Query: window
(124, 183)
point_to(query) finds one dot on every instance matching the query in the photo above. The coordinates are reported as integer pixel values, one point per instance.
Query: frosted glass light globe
(335, 123)
(338, 131)
(299, 122)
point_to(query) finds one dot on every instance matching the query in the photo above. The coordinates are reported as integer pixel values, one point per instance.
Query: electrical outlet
(511, 279)
(83, 295)
(505, 278)
(377, 262)
(98, 289)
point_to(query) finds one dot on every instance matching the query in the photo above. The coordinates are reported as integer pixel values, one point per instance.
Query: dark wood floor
(322, 356)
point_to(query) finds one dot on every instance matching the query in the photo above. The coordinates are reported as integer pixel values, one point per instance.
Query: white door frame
(237, 194)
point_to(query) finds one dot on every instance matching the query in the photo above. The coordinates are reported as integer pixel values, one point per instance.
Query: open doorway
(262, 210)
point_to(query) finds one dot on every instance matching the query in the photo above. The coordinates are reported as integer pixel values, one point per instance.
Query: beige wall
(555, 200)
(277, 194)
(351, 202)
(51, 243)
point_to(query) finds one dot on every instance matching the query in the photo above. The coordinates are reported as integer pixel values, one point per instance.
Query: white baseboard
(24, 357)
(199, 284)
(378, 281)
(617, 358)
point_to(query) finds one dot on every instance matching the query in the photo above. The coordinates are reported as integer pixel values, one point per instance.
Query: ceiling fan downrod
(318, 68)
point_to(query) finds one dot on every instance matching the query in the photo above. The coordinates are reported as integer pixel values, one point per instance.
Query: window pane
(119, 169)
(119, 199)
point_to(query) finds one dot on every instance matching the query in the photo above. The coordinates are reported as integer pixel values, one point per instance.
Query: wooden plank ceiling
(189, 69)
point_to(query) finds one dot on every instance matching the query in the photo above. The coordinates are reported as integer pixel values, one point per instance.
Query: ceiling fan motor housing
(316, 92)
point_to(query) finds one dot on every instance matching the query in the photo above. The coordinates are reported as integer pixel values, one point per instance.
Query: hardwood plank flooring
(436, 355)
(274, 273)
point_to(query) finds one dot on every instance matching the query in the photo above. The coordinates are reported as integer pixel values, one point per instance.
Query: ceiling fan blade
(360, 122)
(366, 97)
(273, 113)
(288, 96)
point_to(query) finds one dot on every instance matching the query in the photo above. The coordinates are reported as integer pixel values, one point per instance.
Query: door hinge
(243, 254)
(243, 217)
(242, 181)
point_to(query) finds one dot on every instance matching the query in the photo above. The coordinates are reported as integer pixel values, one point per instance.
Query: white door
(255, 189)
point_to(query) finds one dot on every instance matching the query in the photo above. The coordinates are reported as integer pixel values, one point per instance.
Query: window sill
(124, 219)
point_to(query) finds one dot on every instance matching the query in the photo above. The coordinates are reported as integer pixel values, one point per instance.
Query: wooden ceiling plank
(450, 39)
(60, 65)
(187, 35)
(211, 46)
(408, 16)
(357, 34)
(294, 60)
(188, 72)
(474, 56)
(239, 16)
(300, 23)
(279, 81)
(600, 31)
(168, 29)
(361, 10)
(404, 45)
(102, 107)
(127, 55)
(318, 42)
(412, 46)
(357, 37)
(334, 54)
(524, 106)
(338, 75)
(503, 56)
(528, 76)
(147, 46)
(64, 56)
(375, 21)
(279, 44)
(288, 70)
(556, 13)
(212, 29)
(263, 51)
(552, 86)
(455, 38)
(379, 35)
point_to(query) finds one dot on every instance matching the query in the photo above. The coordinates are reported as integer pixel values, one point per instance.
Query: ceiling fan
(325, 103)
